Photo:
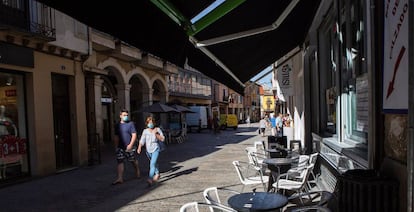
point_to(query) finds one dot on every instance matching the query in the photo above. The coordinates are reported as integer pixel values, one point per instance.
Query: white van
(197, 119)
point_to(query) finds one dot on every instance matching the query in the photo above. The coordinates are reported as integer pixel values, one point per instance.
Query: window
(354, 77)
(190, 83)
(13, 138)
(343, 82)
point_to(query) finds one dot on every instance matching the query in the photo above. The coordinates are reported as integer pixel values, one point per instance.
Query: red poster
(12, 145)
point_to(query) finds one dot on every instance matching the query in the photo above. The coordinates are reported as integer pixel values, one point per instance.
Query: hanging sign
(284, 82)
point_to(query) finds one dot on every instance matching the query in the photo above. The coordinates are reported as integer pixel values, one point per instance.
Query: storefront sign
(16, 55)
(284, 82)
(395, 84)
(12, 145)
(10, 93)
(106, 100)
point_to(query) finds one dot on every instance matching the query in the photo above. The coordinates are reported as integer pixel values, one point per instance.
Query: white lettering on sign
(397, 27)
(11, 145)
(106, 100)
(396, 48)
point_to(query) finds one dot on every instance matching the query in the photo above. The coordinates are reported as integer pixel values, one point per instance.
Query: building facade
(62, 87)
(42, 91)
(251, 103)
(346, 97)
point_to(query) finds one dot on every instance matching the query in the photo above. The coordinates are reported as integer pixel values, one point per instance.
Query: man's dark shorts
(122, 154)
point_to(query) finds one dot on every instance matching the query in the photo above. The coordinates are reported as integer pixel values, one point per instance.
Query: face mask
(125, 118)
(150, 125)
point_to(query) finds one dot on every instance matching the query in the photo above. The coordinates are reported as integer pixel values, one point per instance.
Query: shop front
(14, 161)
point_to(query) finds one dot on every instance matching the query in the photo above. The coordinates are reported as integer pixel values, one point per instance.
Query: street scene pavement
(203, 160)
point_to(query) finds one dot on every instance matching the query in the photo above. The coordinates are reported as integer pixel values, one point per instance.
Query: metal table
(276, 163)
(257, 201)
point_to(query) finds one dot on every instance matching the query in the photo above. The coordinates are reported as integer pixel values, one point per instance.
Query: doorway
(61, 121)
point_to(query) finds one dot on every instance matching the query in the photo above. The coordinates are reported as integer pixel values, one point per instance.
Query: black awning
(146, 27)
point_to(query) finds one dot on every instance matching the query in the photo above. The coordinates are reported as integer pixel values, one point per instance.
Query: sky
(266, 79)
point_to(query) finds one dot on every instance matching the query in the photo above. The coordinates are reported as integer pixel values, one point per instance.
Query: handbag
(162, 146)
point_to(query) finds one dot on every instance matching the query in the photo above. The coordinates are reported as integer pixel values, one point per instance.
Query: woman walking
(150, 138)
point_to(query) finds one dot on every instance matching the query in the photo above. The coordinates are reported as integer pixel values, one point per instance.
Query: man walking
(279, 125)
(273, 124)
(124, 140)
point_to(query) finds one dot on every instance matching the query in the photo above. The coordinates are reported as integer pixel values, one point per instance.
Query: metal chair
(250, 175)
(311, 201)
(312, 161)
(298, 167)
(297, 184)
(256, 158)
(296, 146)
(217, 196)
(260, 147)
(201, 206)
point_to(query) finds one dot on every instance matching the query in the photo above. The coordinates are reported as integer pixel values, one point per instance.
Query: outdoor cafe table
(257, 201)
(276, 162)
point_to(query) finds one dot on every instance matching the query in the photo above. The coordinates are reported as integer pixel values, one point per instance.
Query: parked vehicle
(228, 121)
(197, 119)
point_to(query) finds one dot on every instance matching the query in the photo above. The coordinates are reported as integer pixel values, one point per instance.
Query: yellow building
(267, 101)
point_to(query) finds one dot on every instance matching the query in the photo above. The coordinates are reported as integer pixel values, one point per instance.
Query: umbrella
(158, 108)
(182, 109)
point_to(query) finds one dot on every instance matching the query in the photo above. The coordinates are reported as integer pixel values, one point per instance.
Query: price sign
(12, 145)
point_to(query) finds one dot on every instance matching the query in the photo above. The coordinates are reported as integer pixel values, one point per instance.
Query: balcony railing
(29, 16)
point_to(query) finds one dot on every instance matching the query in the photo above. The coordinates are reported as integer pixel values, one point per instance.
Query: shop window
(354, 77)
(343, 79)
(13, 139)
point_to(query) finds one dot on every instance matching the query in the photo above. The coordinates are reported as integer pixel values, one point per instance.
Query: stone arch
(114, 68)
(160, 94)
(140, 95)
(138, 71)
(160, 89)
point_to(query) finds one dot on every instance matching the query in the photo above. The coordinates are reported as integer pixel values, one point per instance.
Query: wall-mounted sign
(106, 100)
(395, 73)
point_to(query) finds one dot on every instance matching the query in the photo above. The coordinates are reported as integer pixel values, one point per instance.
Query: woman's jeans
(153, 157)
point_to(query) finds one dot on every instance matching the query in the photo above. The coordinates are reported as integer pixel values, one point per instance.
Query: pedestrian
(273, 124)
(279, 125)
(248, 121)
(262, 126)
(124, 140)
(287, 120)
(216, 124)
(150, 138)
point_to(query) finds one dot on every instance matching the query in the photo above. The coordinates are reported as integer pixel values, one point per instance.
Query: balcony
(30, 18)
